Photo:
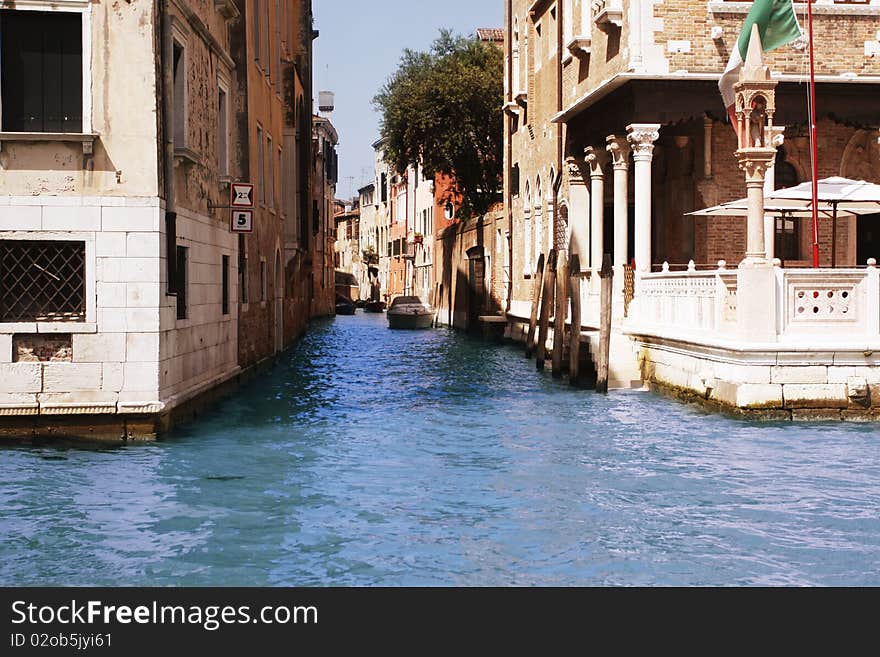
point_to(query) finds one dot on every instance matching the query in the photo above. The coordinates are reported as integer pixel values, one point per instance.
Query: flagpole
(814, 146)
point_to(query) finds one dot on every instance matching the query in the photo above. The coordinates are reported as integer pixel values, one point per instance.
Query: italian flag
(777, 25)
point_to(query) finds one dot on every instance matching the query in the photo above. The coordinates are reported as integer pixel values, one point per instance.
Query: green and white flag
(778, 26)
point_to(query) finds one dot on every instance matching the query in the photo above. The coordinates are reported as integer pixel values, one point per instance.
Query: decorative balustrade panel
(682, 301)
(825, 302)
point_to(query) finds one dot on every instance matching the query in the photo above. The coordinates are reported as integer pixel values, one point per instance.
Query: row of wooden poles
(556, 274)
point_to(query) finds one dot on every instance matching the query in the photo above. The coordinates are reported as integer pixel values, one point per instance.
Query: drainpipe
(167, 60)
(168, 105)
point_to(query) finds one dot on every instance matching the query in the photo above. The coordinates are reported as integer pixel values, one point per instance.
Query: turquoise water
(371, 457)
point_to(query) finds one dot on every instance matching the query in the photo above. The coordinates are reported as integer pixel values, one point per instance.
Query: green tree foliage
(442, 109)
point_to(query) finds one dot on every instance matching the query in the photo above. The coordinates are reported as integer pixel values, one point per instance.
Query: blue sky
(359, 48)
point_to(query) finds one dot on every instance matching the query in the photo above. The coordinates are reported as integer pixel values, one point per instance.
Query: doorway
(868, 238)
(279, 305)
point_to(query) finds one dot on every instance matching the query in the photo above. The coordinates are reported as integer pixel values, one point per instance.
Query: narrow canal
(371, 457)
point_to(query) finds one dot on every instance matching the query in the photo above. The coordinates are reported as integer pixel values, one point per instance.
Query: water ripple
(371, 457)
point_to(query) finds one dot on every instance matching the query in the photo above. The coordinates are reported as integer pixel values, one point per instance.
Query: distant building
(326, 168)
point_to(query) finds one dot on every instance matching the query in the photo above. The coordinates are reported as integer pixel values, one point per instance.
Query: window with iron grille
(42, 281)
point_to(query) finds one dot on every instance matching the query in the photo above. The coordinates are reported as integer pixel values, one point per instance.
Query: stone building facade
(615, 130)
(273, 50)
(120, 275)
(322, 292)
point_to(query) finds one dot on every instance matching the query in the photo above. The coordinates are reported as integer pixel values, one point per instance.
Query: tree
(442, 110)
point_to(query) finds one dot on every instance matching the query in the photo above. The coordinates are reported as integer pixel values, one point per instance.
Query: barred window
(42, 281)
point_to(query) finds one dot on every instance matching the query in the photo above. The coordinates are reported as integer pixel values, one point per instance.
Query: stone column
(775, 137)
(707, 147)
(756, 282)
(619, 149)
(641, 137)
(578, 212)
(596, 159)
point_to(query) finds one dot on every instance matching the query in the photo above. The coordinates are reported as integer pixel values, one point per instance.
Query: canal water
(372, 457)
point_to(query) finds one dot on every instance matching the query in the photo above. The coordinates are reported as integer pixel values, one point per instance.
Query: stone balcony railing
(832, 307)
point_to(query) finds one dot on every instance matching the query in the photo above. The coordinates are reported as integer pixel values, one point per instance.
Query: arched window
(515, 57)
(539, 222)
(550, 224)
(527, 229)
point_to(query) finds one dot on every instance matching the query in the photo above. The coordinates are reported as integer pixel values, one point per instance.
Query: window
(279, 169)
(42, 281)
(260, 168)
(180, 286)
(515, 65)
(42, 71)
(267, 60)
(258, 32)
(539, 47)
(788, 239)
(224, 283)
(222, 131)
(243, 286)
(179, 96)
(170, 252)
(263, 280)
(270, 173)
(384, 188)
(567, 21)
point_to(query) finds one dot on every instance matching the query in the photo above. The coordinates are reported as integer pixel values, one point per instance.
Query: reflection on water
(376, 457)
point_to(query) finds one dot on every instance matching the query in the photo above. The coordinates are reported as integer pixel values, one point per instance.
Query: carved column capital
(574, 168)
(755, 162)
(641, 137)
(596, 159)
(620, 150)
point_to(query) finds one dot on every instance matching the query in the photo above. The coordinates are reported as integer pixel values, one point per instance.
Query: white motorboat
(409, 313)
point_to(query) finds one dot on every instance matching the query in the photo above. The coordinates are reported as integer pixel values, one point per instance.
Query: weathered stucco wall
(124, 105)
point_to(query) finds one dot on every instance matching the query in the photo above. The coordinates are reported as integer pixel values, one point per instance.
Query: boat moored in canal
(374, 307)
(409, 313)
(344, 305)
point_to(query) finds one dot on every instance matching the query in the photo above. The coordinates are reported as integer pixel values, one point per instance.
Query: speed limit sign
(242, 221)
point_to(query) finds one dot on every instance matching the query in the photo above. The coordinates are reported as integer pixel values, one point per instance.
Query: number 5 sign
(242, 221)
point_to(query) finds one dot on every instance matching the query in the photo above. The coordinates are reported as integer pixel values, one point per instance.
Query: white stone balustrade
(839, 307)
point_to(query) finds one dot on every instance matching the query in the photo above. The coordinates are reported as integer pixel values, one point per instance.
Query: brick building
(615, 130)
(273, 50)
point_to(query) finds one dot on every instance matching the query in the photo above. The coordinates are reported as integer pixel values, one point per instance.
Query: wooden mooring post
(560, 313)
(607, 276)
(536, 301)
(574, 340)
(546, 305)
(436, 304)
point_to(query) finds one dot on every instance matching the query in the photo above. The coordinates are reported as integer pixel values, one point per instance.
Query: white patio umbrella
(740, 208)
(843, 195)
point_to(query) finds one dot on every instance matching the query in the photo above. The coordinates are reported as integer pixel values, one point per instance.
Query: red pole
(813, 144)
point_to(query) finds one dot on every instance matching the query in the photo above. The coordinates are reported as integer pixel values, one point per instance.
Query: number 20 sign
(242, 221)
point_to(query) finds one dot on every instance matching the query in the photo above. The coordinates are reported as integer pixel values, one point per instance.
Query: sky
(359, 48)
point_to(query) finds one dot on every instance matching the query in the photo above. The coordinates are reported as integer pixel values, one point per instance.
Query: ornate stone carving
(641, 137)
(573, 168)
(755, 164)
(596, 159)
(619, 149)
